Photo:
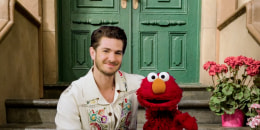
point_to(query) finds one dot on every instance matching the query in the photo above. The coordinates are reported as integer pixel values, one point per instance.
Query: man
(105, 97)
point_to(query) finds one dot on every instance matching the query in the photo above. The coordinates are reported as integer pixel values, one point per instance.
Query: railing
(253, 19)
(7, 22)
(252, 10)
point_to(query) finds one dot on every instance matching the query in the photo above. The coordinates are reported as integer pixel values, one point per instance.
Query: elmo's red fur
(160, 94)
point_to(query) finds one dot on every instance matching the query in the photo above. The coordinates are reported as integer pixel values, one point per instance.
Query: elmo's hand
(186, 121)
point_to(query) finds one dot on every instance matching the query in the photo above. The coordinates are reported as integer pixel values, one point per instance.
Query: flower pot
(233, 120)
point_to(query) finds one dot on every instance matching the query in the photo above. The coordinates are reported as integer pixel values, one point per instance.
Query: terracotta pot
(233, 120)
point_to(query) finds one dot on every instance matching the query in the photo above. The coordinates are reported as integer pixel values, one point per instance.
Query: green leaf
(215, 100)
(214, 106)
(246, 93)
(228, 90)
(237, 85)
(232, 104)
(220, 113)
(239, 96)
(210, 88)
(228, 110)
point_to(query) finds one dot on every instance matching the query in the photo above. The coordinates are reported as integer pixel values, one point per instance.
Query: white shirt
(81, 105)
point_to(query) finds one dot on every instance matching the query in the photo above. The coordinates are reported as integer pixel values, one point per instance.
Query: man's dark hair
(110, 32)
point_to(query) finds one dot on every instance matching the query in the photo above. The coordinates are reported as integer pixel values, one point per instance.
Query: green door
(163, 35)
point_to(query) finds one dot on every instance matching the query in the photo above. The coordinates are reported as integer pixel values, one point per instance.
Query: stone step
(196, 108)
(194, 92)
(53, 91)
(28, 126)
(30, 110)
(190, 91)
(51, 126)
(210, 127)
(44, 111)
(40, 113)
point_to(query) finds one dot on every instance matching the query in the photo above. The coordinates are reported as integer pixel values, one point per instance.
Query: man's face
(108, 55)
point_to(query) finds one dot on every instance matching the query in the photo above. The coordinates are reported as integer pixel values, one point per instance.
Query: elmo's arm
(186, 121)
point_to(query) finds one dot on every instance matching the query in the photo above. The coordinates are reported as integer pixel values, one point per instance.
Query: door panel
(164, 6)
(165, 38)
(162, 36)
(79, 18)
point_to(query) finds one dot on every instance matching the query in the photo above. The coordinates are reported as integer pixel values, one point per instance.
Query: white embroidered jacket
(81, 105)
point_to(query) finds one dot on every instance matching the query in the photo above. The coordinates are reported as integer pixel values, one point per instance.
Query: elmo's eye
(152, 76)
(164, 76)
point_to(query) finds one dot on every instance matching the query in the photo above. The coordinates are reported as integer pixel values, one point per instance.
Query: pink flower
(212, 70)
(233, 64)
(217, 68)
(223, 68)
(255, 106)
(257, 63)
(239, 61)
(207, 65)
(230, 61)
(249, 61)
(254, 121)
(252, 70)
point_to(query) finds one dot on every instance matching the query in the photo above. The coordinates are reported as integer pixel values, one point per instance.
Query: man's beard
(104, 72)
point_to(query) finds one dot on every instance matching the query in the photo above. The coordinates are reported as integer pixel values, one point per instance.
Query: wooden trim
(232, 17)
(6, 25)
(40, 52)
(24, 11)
(9, 22)
(36, 20)
(236, 4)
(248, 9)
(13, 4)
(250, 23)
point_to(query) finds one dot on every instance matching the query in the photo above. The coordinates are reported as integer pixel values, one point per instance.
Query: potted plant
(232, 89)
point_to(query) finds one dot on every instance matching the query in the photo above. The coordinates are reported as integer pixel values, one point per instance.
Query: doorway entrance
(163, 35)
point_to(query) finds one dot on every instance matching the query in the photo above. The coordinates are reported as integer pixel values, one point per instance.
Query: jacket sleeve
(67, 116)
(134, 81)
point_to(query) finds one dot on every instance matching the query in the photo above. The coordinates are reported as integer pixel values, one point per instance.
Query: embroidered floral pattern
(93, 117)
(125, 114)
(104, 119)
(95, 126)
(98, 119)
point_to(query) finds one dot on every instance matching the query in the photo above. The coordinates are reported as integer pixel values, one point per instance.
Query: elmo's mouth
(157, 101)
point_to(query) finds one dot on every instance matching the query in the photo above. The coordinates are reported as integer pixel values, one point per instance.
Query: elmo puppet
(160, 94)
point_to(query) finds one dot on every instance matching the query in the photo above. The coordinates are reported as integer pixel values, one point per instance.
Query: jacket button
(110, 114)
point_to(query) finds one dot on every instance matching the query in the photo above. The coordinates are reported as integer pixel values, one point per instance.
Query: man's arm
(67, 116)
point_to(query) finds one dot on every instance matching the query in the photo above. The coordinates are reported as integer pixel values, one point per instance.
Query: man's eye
(119, 53)
(105, 51)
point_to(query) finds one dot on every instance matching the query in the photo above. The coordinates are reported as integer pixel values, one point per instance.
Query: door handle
(135, 4)
(123, 3)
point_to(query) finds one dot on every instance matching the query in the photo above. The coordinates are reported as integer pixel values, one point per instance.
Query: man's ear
(92, 53)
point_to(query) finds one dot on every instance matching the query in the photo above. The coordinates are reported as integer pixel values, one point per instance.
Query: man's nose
(112, 57)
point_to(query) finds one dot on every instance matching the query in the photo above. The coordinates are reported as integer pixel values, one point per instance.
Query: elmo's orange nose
(158, 86)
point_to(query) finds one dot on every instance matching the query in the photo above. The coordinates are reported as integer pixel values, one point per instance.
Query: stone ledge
(219, 127)
(52, 103)
(194, 104)
(28, 126)
(51, 126)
